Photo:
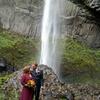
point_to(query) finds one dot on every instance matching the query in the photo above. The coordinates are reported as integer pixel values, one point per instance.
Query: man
(38, 76)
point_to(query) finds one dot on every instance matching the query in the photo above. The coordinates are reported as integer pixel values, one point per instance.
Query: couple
(32, 80)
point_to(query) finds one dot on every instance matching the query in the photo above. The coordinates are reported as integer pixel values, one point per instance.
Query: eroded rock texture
(21, 16)
(53, 89)
(79, 19)
(81, 22)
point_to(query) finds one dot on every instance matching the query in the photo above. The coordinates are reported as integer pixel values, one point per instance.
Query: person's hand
(42, 87)
(31, 69)
(26, 84)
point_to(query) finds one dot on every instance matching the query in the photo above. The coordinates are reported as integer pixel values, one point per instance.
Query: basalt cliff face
(21, 16)
(79, 19)
(90, 26)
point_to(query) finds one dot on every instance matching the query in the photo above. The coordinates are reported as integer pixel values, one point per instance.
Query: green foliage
(1, 95)
(79, 54)
(17, 49)
(80, 60)
(3, 78)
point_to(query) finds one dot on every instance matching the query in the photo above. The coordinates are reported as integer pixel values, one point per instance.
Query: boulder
(53, 88)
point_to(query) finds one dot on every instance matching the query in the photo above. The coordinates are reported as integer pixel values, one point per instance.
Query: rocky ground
(53, 89)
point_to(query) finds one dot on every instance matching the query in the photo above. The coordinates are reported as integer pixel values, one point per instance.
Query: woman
(27, 92)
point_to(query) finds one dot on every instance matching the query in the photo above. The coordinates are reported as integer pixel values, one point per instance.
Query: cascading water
(58, 22)
(50, 33)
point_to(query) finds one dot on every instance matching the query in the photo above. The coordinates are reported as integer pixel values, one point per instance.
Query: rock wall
(25, 17)
(92, 4)
(81, 24)
(21, 16)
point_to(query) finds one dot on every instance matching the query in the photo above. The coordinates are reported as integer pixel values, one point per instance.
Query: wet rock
(53, 89)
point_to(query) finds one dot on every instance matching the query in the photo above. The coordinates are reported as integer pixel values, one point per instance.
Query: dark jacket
(38, 76)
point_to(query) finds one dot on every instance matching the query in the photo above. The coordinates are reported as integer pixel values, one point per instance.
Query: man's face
(34, 67)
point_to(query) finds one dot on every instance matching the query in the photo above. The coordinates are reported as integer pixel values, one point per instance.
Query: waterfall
(50, 33)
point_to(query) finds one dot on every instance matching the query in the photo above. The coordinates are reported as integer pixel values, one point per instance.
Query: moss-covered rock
(17, 49)
(80, 63)
(53, 89)
(4, 77)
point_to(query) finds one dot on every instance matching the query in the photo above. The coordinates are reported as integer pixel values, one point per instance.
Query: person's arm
(33, 73)
(23, 80)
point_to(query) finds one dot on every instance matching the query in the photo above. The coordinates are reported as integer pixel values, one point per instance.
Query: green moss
(79, 54)
(1, 95)
(10, 93)
(17, 49)
(4, 77)
(80, 62)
